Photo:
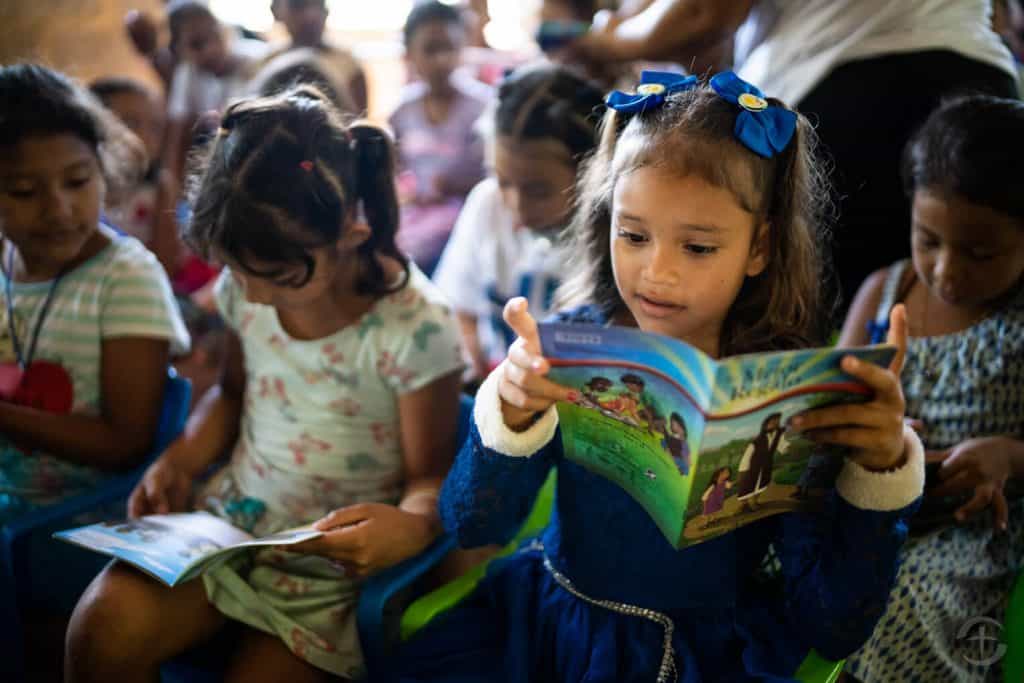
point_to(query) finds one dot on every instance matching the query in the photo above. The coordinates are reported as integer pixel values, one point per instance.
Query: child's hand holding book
(164, 488)
(874, 430)
(368, 537)
(525, 391)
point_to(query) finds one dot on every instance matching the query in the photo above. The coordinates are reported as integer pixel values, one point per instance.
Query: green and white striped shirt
(120, 292)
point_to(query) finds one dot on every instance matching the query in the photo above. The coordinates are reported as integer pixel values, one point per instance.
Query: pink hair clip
(306, 165)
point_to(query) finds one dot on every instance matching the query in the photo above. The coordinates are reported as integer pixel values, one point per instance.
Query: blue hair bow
(762, 128)
(654, 88)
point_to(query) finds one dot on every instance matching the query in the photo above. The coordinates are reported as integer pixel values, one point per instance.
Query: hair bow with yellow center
(653, 90)
(763, 128)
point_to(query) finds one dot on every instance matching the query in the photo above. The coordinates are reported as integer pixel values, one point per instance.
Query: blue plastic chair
(379, 591)
(36, 569)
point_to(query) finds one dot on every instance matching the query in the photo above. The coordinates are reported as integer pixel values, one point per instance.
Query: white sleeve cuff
(885, 491)
(496, 435)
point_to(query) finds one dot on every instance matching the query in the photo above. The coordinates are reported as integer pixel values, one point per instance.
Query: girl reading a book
(700, 219)
(338, 402)
(505, 240)
(81, 307)
(963, 290)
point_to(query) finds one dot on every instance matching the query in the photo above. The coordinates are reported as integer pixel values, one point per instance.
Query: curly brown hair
(785, 307)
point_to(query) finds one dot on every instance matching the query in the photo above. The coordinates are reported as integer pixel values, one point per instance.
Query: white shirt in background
(489, 260)
(195, 92)
(787, 47)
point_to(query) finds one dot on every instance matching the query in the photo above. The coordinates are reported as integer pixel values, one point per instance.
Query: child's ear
(758, 259)
(356, 232)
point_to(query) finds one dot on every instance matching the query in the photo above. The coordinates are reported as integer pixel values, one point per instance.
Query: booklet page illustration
(177, 547)
(700, 444)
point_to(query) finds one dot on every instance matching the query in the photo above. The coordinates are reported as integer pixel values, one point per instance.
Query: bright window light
(346, 15)
(506, 30)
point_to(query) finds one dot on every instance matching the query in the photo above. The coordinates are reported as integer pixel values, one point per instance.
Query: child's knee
(111, 624)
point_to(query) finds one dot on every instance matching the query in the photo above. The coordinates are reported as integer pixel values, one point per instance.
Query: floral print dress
(319, 431)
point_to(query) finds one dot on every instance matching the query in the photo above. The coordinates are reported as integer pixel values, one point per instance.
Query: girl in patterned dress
(964, 382)
(337, 403)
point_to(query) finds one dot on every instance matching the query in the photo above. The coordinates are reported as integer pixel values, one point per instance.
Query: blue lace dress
(601, 596)
(963, 385)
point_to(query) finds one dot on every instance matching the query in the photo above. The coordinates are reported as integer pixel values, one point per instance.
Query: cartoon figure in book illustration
(593, 391)
(714, 495)
(675, 443)
(758, 459)
(656, 425)
(625, 406)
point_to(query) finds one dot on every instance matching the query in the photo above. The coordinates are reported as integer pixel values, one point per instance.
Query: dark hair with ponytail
(692, 134)
(546, 100)
(285, 175)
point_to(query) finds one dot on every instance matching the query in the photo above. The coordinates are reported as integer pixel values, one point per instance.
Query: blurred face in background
(202, 43)
(434, 51)
(536, 178)
(304, 19)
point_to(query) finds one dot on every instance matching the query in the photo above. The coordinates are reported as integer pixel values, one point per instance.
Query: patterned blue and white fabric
(962, 385)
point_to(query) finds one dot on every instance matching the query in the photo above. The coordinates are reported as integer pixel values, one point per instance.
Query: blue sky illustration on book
(740, 389)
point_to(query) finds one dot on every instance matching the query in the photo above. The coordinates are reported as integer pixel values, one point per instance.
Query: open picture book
(700, 444)
(175, 548)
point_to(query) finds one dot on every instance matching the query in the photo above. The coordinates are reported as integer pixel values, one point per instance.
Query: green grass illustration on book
(700, 444)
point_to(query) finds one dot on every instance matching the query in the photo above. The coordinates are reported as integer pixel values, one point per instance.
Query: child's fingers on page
(336, 544)
(345, 516)
(849, 414)
(935, 456)
(137, 502)
(883, 381)
(537, 386)
(897, 336)
(515, 396)
(519, 372)
(523, 358)
(518, 317)
(156, 496)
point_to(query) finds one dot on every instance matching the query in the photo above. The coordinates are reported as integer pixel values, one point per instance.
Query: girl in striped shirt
(87, 320)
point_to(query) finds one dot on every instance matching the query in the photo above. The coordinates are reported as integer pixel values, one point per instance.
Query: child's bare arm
(862, 310)
(211, 430)
(177, 145)
(132, 377)
(368, 537)
(213, 426)
(166, 244)
(428, 421)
